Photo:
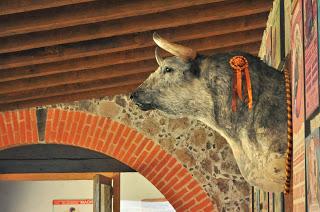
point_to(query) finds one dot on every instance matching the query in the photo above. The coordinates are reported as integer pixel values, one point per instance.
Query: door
(102, 194)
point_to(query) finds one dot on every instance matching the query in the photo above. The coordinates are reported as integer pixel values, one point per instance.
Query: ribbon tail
(239, 84)
(249, 88)
(234, 95)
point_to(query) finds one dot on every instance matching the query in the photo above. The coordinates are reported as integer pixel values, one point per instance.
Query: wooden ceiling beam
(17, 6)
(108, 72)
(40, 85)
(69, 98)
(133, 25)
(91, 12)
(80, 87)
(126, 56)
(131, 41)
(252, 48)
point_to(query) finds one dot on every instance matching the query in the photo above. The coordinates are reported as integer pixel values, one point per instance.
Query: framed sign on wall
(74, 205)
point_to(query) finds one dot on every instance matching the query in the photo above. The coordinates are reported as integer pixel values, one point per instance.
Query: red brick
(201, 205)
(173, 172)
(161, 174)
(116, 151)
(177, 204)
(154, 158)
(107, 140)
(160, 185)
(170, 184)
(92, 129)
(210, 208)
(192, 184)
(128, 154)
(84, 135)
(192, 193)
(143, 143)
(169, 194)
(114, 126)
(9, 129)
(95, 139)
(48, 130)
(179, 194)
(35, 136)
(162, 163)
(132, 160)
(22, 132)
(139, 160)
(61, 126)
(28, 120)
(69, 121)
(50, 113)
(150, 145)
(126, 131)
(183, 182)
(186, 205)
(72, 133)
(76, 116)
(201, 196)
(100, 145)
(56, 117)
(118, 133)
(80, 127)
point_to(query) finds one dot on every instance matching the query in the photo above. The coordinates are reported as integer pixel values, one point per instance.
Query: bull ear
(158, 57)
(175, 49)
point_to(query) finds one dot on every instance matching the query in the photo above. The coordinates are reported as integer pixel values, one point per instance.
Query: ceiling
(61, 51)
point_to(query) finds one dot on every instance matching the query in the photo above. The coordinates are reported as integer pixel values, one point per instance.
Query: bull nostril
(134, 95)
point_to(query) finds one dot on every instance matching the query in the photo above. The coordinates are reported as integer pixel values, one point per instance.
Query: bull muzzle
(142, 100)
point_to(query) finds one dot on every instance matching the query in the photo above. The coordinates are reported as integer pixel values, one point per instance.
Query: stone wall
(202, 151)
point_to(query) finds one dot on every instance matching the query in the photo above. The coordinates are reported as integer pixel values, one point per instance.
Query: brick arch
(101, 134)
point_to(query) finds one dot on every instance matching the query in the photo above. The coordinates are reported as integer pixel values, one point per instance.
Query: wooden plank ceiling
(61, 51)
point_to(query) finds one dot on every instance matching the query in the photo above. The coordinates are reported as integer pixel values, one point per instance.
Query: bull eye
(168, 69)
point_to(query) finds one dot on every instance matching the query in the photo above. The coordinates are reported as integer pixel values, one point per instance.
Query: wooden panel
(52, 158)
(132, 41)
(116, 192)
(69, 98)
(53, 176)
(80, 87)
(134, 24)
(62, 165)
(18, 6)
(219, 41)
(103, 73)
(86, 13)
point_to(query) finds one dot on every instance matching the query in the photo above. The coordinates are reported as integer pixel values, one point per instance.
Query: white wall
(37, 196)
(136, 187)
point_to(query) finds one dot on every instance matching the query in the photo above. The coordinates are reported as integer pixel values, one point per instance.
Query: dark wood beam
(109, 72)
(79, 87)
(69, 98)
(87, 13)
(214, 42)
(18, 6)
(134, 24)
(252, 48)
(104, 73)
(54, 176)
(131, 41)
(29, 99)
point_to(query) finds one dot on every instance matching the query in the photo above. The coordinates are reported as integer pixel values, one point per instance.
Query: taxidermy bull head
(200, 87)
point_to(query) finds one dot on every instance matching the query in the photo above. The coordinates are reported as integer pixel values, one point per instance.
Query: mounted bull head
(166, 89)
(200, 87)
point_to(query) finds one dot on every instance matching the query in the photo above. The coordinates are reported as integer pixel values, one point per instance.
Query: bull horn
(158, 57)
(175, 49)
